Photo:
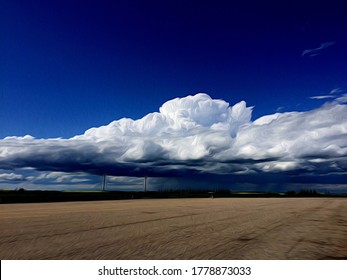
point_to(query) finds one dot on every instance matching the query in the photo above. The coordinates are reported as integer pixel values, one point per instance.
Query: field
(199, 228)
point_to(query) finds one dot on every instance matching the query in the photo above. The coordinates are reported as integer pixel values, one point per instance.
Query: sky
(226, 93)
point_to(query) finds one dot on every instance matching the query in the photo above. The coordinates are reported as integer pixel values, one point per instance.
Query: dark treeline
(26, 196)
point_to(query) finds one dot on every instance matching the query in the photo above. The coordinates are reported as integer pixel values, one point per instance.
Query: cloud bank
(194, 135)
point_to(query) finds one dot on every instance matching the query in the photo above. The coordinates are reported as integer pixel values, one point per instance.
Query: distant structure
(104, 182)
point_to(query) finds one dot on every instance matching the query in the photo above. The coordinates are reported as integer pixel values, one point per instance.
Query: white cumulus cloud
(190, 135)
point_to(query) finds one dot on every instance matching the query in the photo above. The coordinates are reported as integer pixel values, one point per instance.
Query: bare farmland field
(223, 228)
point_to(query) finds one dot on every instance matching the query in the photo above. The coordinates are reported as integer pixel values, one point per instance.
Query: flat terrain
(221, 228)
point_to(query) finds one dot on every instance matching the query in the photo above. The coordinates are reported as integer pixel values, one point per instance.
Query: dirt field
(223, 228)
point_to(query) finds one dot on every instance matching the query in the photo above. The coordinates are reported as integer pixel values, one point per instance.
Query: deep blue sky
(69, 65)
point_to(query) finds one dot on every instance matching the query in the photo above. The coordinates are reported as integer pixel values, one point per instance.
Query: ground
(220, 228)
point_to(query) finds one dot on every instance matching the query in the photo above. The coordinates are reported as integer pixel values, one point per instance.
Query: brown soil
(223, 228)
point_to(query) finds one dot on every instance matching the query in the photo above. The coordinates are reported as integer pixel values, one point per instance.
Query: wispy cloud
(56, 177)
(322, 97)
(336, 91)
(333, 94)
(316, 51)
(280, 109)
(11, 177)
(342, 98)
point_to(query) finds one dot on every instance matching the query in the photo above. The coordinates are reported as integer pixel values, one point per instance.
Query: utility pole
(104, 183)
(145, 183)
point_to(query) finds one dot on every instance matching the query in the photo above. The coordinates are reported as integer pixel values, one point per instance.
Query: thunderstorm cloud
(193, 135)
